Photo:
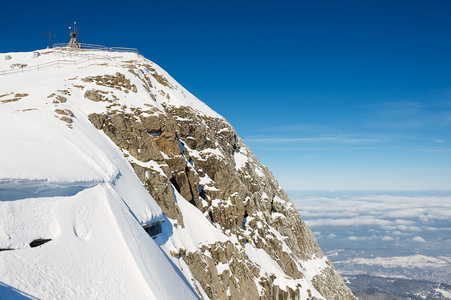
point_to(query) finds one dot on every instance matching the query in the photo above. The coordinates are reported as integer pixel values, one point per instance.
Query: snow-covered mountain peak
(97, 145)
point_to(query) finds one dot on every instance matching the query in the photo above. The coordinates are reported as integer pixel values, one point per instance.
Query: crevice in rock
(244, 219)
(273, 210)
(202, 193)
(210, 214)
(181, 145)
(175, 184)
(193, 200)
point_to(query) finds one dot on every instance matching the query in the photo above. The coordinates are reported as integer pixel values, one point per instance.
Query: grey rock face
(204, 159)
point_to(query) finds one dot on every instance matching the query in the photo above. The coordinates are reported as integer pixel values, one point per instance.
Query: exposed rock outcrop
(178, 148)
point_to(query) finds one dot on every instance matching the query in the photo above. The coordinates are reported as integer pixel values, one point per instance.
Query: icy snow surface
(72, 185)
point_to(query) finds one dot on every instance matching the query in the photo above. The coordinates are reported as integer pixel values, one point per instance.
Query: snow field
(72, 185)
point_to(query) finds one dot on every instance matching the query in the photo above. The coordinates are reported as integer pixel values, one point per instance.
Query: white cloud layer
(408, 219)
(419, 239)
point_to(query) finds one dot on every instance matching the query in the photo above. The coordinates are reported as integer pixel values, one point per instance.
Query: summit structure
(116, 182)
(74, 32)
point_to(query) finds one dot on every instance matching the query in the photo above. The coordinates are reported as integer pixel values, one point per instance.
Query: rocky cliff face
(183, 153)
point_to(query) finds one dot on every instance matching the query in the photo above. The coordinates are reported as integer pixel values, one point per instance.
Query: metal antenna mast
(73, 43)
(50, 36)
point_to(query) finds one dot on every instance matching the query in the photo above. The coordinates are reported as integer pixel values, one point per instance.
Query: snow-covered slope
(67, 182)
(94, 146)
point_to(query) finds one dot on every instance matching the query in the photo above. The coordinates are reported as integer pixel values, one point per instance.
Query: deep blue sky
(328, 94)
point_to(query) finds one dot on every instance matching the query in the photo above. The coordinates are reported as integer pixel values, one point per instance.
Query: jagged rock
(117, 81)
(124, 130)
(237, 280)
(160, 188)
(196, 155)
(152, 124)
(95, 95)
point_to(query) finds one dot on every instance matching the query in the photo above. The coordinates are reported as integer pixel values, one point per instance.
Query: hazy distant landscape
(393, 234)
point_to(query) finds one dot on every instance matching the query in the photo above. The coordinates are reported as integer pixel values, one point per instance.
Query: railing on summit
(84, 46)
(55, 63)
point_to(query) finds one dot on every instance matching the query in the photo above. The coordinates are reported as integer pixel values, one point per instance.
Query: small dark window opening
(39, 242)
(153, 229)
